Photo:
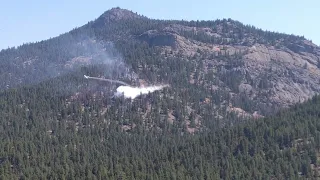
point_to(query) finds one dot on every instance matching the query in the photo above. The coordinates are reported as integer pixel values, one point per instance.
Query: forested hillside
(45, 135)
(216, 120)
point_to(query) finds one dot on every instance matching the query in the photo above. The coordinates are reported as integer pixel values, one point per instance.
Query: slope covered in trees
(55, 124)
(45, 136)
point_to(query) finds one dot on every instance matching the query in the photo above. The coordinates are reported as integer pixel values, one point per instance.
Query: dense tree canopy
(54, 124)
(45, 134)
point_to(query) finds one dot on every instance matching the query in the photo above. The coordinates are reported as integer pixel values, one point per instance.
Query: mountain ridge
(258, 69)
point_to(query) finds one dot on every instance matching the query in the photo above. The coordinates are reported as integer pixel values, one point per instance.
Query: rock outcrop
(275, 76)
(156, 38)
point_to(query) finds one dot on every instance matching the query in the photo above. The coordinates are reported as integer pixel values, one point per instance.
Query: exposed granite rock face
(156, 38)
(278, 76)
(294, 76)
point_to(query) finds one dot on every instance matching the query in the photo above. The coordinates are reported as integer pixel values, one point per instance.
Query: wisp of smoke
(133, 92)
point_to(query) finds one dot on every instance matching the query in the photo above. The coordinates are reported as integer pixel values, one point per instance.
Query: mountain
(234, 92)
(259, 71)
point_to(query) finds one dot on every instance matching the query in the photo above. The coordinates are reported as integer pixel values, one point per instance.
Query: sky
(35, 20)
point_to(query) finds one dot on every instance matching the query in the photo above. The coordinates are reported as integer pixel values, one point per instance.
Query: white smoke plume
(128, 91)
(133, 92)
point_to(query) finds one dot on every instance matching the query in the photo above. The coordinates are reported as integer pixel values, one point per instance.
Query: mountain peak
(118, 13)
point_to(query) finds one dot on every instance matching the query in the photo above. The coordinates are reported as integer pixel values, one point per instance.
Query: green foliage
(69, 128)
(45, 136)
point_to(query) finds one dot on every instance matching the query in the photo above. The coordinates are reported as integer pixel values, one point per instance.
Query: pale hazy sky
(34, 20)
